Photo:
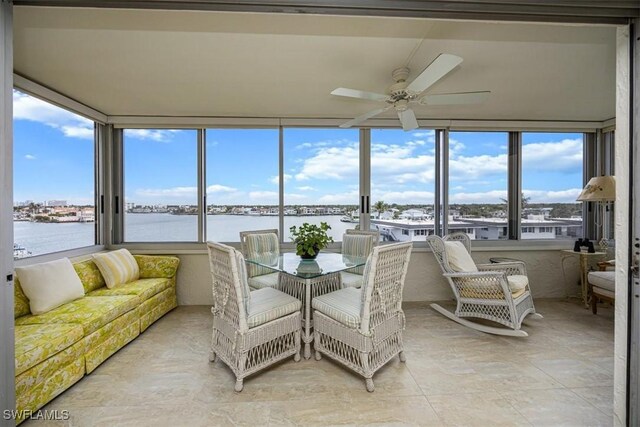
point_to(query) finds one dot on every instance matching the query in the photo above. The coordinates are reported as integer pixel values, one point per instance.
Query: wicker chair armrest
(510, 268)
(474, 274)
(481, 284)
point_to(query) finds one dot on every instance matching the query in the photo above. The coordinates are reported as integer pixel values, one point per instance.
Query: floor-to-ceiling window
(242, 169)
(321, 178)
(402, 183)
(54, 178)
(160, 185)
(478, 182)
(552, 175)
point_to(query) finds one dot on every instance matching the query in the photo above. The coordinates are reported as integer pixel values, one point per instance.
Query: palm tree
(380, 206)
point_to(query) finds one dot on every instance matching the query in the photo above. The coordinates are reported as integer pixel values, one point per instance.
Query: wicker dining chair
(261, 244)
(362, 328)
(251, 330)
(360, 244)
(498, 292)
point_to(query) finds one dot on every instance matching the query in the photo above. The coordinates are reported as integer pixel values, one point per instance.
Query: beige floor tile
(476, 409)
(575, 372)
(367, 409)
(558, 407)
(600, 397)
(164, 378)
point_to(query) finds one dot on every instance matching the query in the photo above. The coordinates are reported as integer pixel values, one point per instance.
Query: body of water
(41, 238)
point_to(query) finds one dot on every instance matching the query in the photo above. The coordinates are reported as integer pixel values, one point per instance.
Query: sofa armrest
(157, 266)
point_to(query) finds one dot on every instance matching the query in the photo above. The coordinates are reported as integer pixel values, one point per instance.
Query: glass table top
(324, 263)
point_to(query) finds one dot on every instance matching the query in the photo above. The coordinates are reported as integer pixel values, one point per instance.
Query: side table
(584, 271)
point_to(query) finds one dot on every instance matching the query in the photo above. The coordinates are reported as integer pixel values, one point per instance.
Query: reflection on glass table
(307, 279)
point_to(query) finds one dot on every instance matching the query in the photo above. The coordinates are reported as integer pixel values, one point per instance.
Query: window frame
(100, 134)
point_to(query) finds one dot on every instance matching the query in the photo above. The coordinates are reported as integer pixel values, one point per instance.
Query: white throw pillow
(117, 267)
(459, 259)
(50, 284)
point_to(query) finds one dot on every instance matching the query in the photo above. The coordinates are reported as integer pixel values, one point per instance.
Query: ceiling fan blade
(360, 94)
(461, 98)
(364, 117)
(408, 119)
(440, 66)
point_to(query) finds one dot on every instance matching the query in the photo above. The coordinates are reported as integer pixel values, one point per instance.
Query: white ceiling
(181, 63)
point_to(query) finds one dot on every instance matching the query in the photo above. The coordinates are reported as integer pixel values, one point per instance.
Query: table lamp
(602, 190)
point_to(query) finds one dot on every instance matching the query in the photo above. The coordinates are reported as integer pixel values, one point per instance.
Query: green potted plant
(310, 239)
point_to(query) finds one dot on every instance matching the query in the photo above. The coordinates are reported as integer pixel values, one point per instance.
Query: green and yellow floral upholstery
(143, 288)
(91, 313)
(55, 349)
(89, 275)
(20, 300)
(155, 266)
(36, 343)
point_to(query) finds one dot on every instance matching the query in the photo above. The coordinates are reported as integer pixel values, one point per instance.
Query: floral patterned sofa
(56, 349)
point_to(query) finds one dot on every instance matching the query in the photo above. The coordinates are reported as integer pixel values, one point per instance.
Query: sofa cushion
(263, 281)
(342, 305)
(458, 257)
(117, 267)
(144, 288)
(36, 343)
(89, 275)
(269, 304)
(50, 284)
(89, 312)
(603, 279)
(20, 300)
(154, 266)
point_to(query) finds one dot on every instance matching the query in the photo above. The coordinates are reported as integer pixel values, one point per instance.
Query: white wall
(424, 280)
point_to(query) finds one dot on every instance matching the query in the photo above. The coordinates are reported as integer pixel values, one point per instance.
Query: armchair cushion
(117, 267)
(517, 282)
(263, 245)
(351, 280)
(603, 279)
(264, 281)
(458, 257)
(269, 304)
(49, 285)
(342, 305)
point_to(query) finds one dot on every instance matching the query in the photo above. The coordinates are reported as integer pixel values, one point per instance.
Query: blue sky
(54, 160)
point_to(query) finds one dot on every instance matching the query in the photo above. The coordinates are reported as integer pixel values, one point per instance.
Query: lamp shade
(599, 189)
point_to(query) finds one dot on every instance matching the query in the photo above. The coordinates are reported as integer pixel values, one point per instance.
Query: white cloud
(26, 107)
(30, 157)
(276, 179)
(559, 196)
(164, 193)
(348, 198)
(159, 135)
(494, 196)
(217, 188)
(403, 197)
(306, 188)
(560, 156)
(265, 197)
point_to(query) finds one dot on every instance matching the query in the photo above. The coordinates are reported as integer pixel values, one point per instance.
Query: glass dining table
(306, 279)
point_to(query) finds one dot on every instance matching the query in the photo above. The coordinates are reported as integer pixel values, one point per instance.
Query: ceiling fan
(401, 93)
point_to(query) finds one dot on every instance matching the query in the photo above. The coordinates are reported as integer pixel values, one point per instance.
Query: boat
(20, 251)
(347, 218)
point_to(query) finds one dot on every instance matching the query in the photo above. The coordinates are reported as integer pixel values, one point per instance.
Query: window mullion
(114, 202)
(281, 182)
(514, 191)
(202, 185)
(365, 179)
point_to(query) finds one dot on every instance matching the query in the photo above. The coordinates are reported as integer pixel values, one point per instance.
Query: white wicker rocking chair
(362, 328)
(486, 293)
(251, 330)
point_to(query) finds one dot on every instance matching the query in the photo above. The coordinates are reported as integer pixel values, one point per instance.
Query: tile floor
(562, 374)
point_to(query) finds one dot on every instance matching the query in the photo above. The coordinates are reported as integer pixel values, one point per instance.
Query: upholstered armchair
(251, 330)
(359, 244)
(263, 244)
(362, 328)
(497, 292)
